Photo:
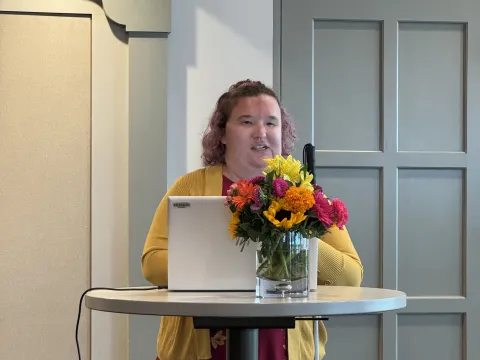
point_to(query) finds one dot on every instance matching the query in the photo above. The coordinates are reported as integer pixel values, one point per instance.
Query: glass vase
(282, 267)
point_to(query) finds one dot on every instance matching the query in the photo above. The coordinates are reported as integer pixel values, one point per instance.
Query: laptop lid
(202, 256)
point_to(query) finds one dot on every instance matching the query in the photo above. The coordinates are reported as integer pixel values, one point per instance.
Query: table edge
(247, 309)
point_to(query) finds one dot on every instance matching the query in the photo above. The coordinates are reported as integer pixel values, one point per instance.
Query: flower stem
(262, 266)
(285, 266)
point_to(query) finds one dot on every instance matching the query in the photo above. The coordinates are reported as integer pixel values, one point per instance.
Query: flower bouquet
(281, 211)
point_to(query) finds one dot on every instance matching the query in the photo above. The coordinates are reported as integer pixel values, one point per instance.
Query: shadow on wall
(98, 2)
(118, 30)
(213, 43)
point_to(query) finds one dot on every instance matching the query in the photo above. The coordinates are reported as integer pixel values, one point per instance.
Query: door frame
(277, 47)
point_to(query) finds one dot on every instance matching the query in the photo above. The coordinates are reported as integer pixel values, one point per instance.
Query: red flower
(341, 213)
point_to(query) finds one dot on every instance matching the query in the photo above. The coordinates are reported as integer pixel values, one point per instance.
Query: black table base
(200, 322)
(242, 344)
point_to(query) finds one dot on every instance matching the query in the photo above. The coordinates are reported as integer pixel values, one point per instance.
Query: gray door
(389, 93)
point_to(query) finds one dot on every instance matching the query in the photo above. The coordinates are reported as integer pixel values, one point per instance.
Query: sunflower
(233, 224)
(282, 218)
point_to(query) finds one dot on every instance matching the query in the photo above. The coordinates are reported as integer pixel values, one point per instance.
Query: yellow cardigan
(338, 264)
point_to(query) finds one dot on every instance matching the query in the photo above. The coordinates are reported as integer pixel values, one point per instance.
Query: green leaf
(263, 196)
(269, 177)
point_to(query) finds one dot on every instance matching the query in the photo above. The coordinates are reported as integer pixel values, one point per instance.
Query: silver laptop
(202, 256)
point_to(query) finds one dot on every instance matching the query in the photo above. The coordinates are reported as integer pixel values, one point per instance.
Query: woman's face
(253, 132)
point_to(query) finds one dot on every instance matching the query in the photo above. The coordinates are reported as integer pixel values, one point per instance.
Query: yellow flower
(288, 169)
(298, 200)
(284, 223)
(306, 181)
(273, 164)
(232, 225)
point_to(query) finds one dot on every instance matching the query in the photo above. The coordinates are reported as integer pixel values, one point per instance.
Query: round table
(242, 313)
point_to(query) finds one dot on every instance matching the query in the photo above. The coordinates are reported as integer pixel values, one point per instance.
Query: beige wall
(64, 95)
(45, 183)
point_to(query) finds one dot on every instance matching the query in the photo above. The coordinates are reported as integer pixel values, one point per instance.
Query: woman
(248, 125)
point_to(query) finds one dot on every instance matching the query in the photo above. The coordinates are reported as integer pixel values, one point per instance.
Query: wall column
(148, 24)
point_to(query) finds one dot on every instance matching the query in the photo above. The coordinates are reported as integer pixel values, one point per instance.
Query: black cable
(137, 289)
(105, 288)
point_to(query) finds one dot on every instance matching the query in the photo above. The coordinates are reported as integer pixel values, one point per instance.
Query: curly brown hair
(213, 148)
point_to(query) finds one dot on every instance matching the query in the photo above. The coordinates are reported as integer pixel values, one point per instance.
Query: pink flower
(319, 197)
(256, 179)
(227, 200)
(257, 203)
(280, 187)
(341, 212)
(323, 210)
(231, 189)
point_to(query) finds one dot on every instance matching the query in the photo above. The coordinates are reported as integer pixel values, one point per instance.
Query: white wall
(213, 44)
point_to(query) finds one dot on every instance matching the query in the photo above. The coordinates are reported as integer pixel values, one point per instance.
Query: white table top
(327, 301)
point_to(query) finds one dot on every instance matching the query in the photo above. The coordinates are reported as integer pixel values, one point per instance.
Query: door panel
(333, 66)
(434, 336)
(361, 191)
(430, 253)
(388, 93)
(434, 53)
(362, 334)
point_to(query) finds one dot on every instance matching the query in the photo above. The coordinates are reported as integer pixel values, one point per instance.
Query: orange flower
(245, 194)
(298, 200)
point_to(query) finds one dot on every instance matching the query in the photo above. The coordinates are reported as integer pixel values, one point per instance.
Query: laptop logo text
(181, 205)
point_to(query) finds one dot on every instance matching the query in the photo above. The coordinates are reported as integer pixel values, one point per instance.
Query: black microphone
(309, 159)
